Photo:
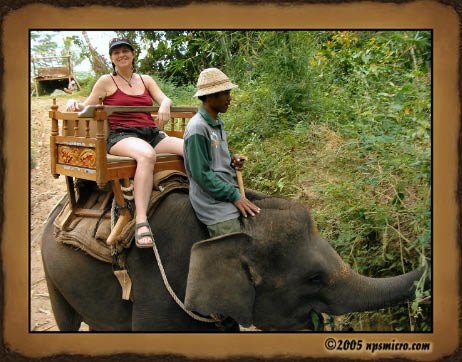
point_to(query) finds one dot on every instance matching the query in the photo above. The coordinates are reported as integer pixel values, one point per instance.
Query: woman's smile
(122, 55)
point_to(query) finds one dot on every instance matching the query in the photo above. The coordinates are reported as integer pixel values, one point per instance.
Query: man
(213, 192)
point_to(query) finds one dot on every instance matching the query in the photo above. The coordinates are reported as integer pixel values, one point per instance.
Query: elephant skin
(272, 275)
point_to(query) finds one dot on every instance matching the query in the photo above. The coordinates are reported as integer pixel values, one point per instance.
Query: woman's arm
(163, 116)
(99, 90)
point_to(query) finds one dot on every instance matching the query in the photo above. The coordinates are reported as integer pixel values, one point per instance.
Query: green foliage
(180, 96)
(43, 44)
(179, 56)
(86, 82)
(70, 49)
(339, 120)
(43, 47)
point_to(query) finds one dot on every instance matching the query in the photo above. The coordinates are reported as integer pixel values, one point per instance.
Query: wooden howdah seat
(78, 151)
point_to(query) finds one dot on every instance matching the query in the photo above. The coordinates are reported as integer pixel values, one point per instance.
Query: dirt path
(45, 193)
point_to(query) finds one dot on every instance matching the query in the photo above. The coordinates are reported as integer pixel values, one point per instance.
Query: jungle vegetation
(339, 120)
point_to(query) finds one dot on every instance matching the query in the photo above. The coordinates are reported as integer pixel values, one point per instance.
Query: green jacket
(213, 187)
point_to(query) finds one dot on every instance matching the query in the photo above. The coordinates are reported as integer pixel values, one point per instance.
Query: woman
(134, 135)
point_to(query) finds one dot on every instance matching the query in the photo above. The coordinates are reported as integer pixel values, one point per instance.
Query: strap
(114, 81)
(106, 210)
(142, 235)
(143, 81)
(141, 224)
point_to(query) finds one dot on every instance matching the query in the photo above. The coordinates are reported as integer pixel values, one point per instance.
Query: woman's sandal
(143, 235)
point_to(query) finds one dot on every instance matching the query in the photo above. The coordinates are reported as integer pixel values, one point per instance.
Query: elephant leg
(66, 317)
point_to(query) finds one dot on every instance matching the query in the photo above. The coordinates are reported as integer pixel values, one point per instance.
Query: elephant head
(278, 270)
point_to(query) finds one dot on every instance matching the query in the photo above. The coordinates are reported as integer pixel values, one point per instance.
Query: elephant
(271, 275)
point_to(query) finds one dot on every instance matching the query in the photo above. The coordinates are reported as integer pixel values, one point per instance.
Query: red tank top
(119, 98)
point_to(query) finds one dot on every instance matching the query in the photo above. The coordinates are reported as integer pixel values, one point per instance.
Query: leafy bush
(180, 95)
(341, 121)
(86, 82)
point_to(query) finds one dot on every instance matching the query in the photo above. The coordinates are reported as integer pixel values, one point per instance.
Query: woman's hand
(72, 106)
(163, 115)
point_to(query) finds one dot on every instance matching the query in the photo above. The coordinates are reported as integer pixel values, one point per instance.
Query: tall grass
(342, 122)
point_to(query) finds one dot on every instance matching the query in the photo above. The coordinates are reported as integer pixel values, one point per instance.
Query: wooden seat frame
(79, 152)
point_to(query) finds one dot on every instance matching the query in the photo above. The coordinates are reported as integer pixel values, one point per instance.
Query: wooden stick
(124, 216)
(240, 182)
(123, 220)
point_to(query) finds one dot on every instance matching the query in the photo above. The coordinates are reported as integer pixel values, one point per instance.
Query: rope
(115, 210)
(107, 208)
(159, 262)
(126, 190)
(172, 293)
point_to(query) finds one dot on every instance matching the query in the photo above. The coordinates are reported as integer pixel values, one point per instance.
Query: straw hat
(213, 80)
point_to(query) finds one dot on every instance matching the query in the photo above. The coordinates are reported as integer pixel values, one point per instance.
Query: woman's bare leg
(145, 157)
(170, 145)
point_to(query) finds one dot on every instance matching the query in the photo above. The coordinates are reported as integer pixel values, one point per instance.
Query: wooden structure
(52, 68)
(78, 151)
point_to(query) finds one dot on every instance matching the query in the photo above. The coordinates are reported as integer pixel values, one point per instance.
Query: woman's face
(122, 56)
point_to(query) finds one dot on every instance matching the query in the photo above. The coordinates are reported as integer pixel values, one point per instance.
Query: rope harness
(115, 209)
(174, 296)
(118, 260)
(128, 195)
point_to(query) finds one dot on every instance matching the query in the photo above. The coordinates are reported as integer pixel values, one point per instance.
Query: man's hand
(237, 161)
(246, 207)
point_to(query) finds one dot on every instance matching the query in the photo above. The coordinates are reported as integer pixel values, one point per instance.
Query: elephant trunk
(355, 293)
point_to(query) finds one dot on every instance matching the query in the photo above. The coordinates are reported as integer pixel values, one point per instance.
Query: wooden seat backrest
(179, 116)
(78, 150)
(78, 143)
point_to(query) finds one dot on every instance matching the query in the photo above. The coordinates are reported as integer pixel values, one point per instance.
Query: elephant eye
(312, 283)
(314, 279)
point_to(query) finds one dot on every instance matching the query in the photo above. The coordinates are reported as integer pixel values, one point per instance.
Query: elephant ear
(217, 279)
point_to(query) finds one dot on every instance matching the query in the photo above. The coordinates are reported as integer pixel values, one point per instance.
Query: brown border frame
(8, 355)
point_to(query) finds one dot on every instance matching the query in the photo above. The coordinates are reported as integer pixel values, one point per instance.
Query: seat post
(101, 165)
(54, 133)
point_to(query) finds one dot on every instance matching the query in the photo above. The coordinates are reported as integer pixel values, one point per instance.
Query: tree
(76, 59)
(98, 62)
(43, 44)
(180, 56)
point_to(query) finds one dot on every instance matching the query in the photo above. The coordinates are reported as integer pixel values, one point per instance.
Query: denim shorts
(151, 135)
